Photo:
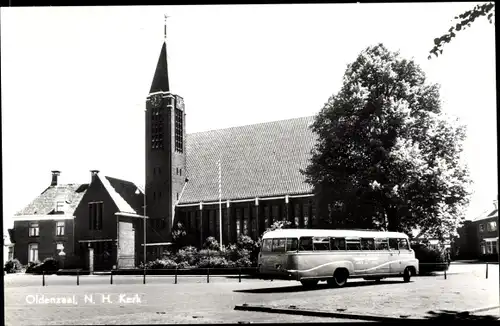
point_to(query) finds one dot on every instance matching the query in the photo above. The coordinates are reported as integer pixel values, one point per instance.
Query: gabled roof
(124, 194)
(69, 195)
(260, 160)
(160, 79)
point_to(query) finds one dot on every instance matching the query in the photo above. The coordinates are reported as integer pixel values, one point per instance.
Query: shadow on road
(445, 315)
(322, 286)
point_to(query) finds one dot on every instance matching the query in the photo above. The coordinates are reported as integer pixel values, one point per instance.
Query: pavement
(193, 300)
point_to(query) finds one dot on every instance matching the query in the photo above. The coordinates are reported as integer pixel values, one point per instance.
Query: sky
(75, 79)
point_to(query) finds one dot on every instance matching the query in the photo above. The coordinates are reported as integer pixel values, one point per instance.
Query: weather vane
(165, 26)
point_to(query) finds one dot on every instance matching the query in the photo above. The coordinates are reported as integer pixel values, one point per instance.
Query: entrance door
(394, 257)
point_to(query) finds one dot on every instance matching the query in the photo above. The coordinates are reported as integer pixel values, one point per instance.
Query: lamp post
(138, 192)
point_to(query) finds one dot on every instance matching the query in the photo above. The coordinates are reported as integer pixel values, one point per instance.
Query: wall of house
(95, 193)
(485, 232)
(46, 240)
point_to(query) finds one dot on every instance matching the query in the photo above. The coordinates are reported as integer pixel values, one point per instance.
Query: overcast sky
(75, 80)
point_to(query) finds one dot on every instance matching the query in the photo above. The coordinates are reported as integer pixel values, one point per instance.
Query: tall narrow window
(156, 129)
(59, 228)
(238, 222)
(179, 146)
(33, 252)
(34, 230)
(95, 215)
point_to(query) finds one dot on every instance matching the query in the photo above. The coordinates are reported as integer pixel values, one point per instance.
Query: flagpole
(220, 204)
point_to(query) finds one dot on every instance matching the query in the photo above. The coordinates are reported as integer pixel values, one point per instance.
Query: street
(193, 300)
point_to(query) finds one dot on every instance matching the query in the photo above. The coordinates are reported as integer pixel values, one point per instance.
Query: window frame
(340, 248)
(31, 248)
(292, 240)
(34, 230)
(321, 242)
(408, 247)
(60, 228)
(397, 244)
(364, 241)
(353, 241)
(306, 238)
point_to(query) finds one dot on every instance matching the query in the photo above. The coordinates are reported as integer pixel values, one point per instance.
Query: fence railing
(240, 272)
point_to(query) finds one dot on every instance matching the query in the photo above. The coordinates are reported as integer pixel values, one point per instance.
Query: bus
(310, 256)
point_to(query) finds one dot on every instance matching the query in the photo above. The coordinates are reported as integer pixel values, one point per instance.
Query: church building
(250, 173)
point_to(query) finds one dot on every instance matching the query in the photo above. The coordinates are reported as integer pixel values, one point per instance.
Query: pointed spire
(160, 79)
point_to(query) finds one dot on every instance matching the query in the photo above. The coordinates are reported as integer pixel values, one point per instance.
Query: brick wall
(46, 240)
(95, 193)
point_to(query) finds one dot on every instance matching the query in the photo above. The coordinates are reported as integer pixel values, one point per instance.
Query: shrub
(245, 242)
(214, 262)
(161, 264)
(184, 265)
(430, 259)
(188, 255)
(30, 268)
(211, 243)
(49, 265)
(13, 266)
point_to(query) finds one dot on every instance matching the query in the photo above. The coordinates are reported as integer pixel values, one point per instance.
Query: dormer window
(59, 207)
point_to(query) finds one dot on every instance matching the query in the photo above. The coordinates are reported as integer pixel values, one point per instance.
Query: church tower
(165, 152)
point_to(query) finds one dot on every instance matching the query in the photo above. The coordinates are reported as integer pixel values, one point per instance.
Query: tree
(386, 156)
(463, 21)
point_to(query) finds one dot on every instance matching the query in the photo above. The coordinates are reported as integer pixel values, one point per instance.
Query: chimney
(93, 175)
(55, 174)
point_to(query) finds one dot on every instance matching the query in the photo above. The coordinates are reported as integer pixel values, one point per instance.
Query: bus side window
(266, 245)
(306, 244)
(337, 244)
(367, 244)
(403, 244)
(321, 244)
(381, 244)
(393, 244)
(291, 244)
(353, 245)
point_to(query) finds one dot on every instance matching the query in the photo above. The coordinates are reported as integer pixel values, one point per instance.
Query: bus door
(384, 255)
(266, 253)
(405, 252)
(277, 261)
(394, 257)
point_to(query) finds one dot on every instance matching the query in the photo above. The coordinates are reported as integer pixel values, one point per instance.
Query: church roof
(160, 79)
(69, 195)
(260, 160)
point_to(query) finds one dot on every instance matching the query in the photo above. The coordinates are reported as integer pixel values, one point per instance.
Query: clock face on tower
(156, 100)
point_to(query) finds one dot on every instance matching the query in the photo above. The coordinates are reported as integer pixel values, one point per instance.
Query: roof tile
(260, 160)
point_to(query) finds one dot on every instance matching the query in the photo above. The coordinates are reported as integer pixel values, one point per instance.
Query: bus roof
(296, 233)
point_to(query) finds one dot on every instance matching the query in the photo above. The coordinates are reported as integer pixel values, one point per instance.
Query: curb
(316, 313)
(473, 311)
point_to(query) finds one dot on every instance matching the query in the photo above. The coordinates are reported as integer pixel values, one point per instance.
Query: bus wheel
(407, 275)
(309, 283)
(339, 278)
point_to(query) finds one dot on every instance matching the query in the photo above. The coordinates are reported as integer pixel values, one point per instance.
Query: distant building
(8, 249)
(479, 237)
